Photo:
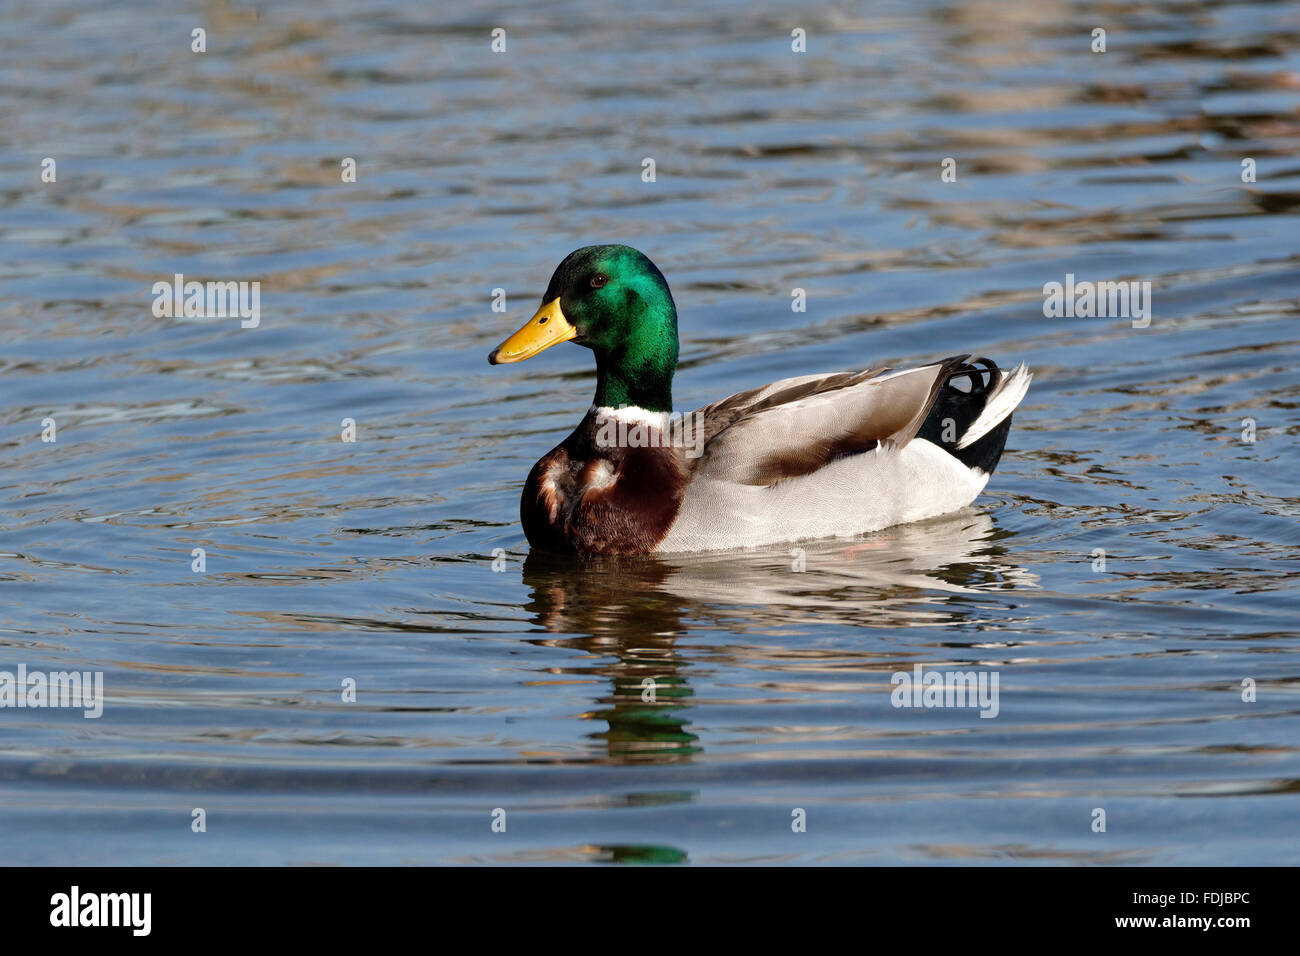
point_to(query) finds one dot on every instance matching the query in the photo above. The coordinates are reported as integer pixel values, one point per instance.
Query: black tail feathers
(956, 409)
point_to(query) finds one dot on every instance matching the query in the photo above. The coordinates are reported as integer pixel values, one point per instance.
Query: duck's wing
(844, 454)
(797, 425)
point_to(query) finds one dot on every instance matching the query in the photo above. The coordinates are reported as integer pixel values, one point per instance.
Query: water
(1121, 689)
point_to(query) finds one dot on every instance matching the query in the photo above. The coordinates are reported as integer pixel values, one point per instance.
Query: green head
(615, 301)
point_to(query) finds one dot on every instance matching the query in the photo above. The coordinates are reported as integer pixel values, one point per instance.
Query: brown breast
(584, 499)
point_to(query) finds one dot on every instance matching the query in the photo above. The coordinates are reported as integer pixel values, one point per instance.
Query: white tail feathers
(1002, 401)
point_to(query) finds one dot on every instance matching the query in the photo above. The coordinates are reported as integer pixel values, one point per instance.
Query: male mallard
(816, 456)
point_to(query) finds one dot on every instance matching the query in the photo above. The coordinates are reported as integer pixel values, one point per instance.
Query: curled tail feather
(972, 423)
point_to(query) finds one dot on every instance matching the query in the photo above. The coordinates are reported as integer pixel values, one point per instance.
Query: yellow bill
(548, 327)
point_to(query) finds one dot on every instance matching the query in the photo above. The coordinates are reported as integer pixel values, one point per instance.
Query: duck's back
(846, 453)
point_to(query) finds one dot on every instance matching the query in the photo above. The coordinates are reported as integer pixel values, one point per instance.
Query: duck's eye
(599, 280)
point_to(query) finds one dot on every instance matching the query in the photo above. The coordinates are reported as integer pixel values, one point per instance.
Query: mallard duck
(817, 456)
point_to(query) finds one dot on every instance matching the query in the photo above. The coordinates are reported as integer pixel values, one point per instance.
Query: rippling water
(520, 689)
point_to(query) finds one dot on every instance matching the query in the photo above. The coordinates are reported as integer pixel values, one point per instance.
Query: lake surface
(520, 689)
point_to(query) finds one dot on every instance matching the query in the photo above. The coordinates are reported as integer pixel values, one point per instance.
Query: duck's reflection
(617, 608)
(633, 610)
